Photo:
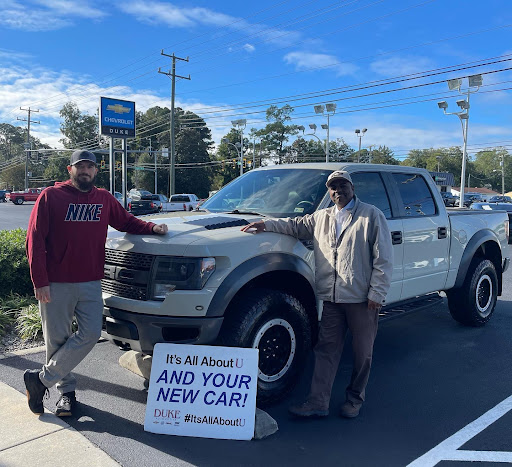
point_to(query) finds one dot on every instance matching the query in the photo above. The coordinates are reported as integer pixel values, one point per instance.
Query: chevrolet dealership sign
(117, 118)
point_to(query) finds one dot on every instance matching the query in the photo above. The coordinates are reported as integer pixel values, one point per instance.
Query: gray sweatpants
(65, 349)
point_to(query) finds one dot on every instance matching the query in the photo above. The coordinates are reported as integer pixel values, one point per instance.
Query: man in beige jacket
(353, 264)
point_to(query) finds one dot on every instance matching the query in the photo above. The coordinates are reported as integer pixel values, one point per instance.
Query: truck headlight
(180, 273)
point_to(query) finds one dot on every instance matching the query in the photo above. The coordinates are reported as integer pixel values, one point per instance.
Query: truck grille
(137, 287)
(129, 259)
(124, 290)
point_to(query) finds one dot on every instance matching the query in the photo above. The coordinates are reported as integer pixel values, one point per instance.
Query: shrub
(10, 307)
(28, 323)
(14, 269)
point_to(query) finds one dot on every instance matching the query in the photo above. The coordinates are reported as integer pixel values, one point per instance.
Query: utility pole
(172, 76)
(27, 145)
(502, 174)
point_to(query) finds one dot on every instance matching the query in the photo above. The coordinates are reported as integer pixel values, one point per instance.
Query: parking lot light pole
(360, 134)
(241, 124)
(474, 81)
(313, 127)
(237, 146)
(329, 110)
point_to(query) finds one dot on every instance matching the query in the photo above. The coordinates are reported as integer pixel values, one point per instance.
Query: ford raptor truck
(206, 282)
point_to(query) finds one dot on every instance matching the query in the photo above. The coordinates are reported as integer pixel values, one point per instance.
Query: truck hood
(184, 229)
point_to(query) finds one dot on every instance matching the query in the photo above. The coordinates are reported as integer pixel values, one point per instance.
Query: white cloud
(399, 66)
(72, 8)
(155, 12)
(47, 91)
(249, 48)
(304, 61)
(171, 15)
(44, 15)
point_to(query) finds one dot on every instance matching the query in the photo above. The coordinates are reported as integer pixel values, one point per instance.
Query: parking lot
(439, 394)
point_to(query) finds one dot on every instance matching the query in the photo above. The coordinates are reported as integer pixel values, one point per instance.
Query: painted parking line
(448, 450)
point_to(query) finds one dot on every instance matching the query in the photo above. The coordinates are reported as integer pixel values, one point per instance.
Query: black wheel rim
(277, 345)
(484, 295)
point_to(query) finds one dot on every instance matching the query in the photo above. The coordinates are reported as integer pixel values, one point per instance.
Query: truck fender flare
(473, 245)
(251, 269)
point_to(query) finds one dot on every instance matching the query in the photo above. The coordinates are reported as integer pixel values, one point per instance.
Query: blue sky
(245, 56)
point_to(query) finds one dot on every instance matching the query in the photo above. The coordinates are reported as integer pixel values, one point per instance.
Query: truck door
(370, 188)
(425, 235)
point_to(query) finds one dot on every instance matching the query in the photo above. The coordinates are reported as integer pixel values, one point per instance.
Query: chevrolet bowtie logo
(118, 109)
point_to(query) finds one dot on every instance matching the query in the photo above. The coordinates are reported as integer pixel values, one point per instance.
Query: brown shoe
(350, 410)
(308, 409)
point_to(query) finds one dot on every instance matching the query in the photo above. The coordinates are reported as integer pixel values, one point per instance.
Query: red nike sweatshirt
(67, 232)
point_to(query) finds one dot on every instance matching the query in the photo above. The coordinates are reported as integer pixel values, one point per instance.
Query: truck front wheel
(19, 201)
(473, 304)
(277, 324)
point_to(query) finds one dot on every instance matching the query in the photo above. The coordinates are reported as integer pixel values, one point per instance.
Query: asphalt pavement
(430, 378)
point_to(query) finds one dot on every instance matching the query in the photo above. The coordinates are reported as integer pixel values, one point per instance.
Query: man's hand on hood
(160, 229)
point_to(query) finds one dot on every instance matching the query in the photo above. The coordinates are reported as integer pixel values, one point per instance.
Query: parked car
(477, 197)
(500, 199)
(448, 198)
(3, 198)
(19, 197)
(210, 283)
(136, 193)
(497, 207)
(160, 201)
(468, 199)
(182, 202)
(119, 197)
(144, 204)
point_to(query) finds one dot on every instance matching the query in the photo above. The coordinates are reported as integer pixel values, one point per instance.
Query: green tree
(380, 155)
(193, 143)
(229, 156)
(277, 132)
(449, 159)
(13, 177)
(487, 164)
(78, 129)
(11, 141)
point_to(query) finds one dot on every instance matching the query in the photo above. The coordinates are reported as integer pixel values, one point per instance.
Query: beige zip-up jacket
(358, 265)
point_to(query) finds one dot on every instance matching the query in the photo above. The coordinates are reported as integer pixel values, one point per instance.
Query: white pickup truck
(182, 202)
(206, 282)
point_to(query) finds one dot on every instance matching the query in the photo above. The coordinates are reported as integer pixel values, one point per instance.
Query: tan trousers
(337, 319)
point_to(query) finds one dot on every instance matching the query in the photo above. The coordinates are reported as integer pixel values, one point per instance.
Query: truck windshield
(272, 192)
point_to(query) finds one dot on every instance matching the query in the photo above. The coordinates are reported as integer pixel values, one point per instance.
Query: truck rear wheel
(19, 201)
(473, 304)
(277, 324)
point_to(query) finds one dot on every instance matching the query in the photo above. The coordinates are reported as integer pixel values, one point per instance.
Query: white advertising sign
(202, 391)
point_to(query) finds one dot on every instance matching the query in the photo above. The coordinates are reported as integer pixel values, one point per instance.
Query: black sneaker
(65, 404)
(36, 391)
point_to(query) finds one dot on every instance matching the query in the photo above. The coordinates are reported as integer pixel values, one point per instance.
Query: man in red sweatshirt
(66, 252)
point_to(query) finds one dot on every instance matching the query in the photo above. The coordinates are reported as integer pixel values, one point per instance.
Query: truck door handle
(442, 232)
(396, 237)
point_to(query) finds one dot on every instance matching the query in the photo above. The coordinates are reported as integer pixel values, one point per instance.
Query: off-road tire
(473, 304)
(278, 325)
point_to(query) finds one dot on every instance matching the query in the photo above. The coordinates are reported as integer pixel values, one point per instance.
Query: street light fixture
(313, 127)
(360, 134)
(474, 81)
(328, 110)
(237, 146)
(240, 124)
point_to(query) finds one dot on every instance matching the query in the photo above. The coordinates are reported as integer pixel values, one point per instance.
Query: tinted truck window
(416, 196)
(369, 187)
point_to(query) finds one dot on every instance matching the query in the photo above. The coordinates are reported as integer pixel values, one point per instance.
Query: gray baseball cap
(82, 155)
